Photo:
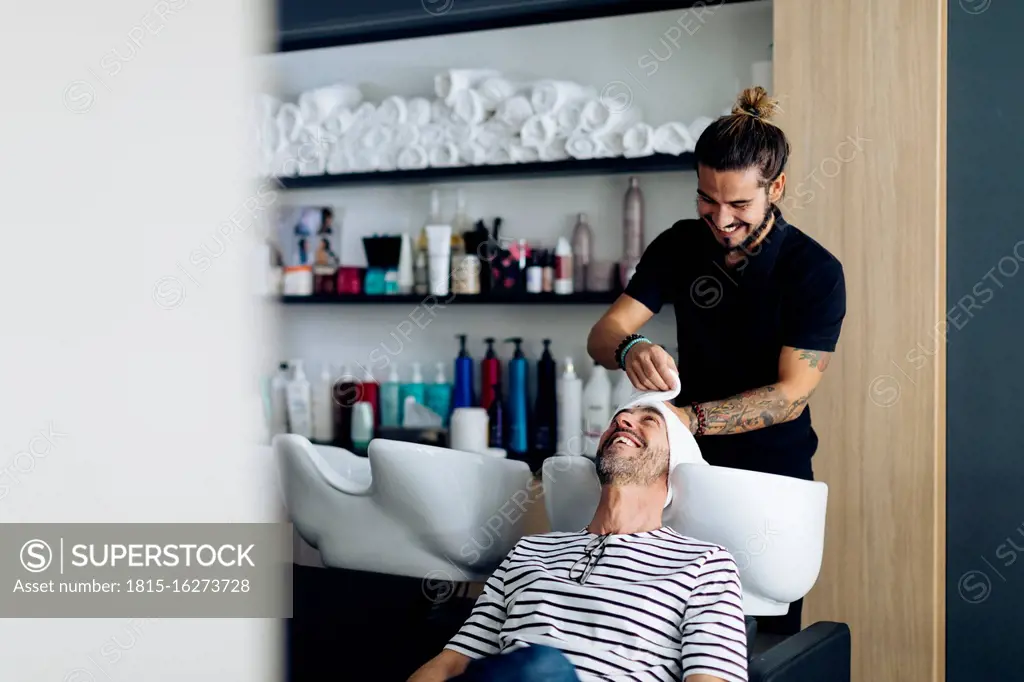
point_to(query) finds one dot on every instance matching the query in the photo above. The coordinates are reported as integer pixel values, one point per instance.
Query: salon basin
(774, 526)
(405, 510)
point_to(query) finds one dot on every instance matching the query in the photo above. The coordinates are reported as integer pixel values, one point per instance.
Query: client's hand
(650, 367)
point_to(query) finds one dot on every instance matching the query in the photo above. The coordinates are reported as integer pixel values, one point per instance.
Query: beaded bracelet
(629, 344)
(702, 419)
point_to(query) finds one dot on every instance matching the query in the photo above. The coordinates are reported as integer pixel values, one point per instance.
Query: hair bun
(756, 102)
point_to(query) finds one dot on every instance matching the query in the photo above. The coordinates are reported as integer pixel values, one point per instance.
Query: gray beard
(642, 469)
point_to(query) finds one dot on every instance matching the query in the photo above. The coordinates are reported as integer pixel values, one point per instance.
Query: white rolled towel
(365, 160)
(441, 112)
(339, 123)
(266, 106)
(673, 138)
(468, 107)
(339, 160)
(548, 96)
(289, 123)
(597, 116)
(520, 153)
(612, 144)
(311, 151)
(472, 153)
(554, 150)
(392, 110)
(538, 130)
(460, 134)
(319, 103)
(449, 82)
(638, 140)
(585, 146)
(493, 91)
(433, 134)
(569, 115)
(376, 137)
(494, 132)
(404, 135)
(699, 126)
(364, 113)
(514, 111)
(417, 111)
(444, 155)
(413, 157)
(499, 154)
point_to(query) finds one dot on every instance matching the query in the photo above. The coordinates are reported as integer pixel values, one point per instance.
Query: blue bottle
(517, 404)
(439, 395)
(462, 395)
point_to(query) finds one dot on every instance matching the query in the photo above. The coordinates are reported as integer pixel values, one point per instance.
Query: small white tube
(439, 249)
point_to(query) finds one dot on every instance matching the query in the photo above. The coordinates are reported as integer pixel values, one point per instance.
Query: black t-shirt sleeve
(649, 283)
(815, 311)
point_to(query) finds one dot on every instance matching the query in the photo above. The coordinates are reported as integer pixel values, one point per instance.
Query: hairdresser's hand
(650, 367)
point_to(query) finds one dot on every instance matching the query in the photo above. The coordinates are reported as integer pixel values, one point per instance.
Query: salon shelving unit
(656, 163)
(585, 297)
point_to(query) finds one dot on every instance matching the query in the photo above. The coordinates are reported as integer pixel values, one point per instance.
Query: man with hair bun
(759, 306)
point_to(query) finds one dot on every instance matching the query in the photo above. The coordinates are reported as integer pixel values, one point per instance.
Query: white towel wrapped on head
(413, 157)
(449, 82)
(548, 96)
(682, 446)
(638, 140)
(673, 138)
(514, 111)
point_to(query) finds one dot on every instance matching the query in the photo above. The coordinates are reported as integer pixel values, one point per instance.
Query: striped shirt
(655, 605)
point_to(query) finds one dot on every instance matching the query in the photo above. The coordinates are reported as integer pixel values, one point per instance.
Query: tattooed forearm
(815, 358)
(752, 410)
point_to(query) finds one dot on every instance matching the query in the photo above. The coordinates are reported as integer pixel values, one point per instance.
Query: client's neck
(628, 509)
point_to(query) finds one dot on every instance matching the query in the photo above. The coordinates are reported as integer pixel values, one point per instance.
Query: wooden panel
(862, 85)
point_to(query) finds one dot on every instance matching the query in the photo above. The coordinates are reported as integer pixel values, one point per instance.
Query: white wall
(677, 65)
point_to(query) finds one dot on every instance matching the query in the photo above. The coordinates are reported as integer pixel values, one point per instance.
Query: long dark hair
(746, 138)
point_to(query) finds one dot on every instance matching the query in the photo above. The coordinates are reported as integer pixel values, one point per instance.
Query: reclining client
(625, 598)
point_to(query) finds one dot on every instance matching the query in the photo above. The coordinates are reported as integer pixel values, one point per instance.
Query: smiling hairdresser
(759, 306)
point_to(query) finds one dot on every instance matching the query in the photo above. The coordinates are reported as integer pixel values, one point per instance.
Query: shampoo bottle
(346, 393)
(496, 420)
(490, 374)
(323, 399)
(597, 400)
(300, 416)
(369, 392)
(518, 443)
(545, 412)
(279, 400)
(414, 388)
(390, 412)
(463, 393)
(439, 395)
(570, 411)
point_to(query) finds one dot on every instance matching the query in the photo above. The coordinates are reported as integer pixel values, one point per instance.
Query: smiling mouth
(627, 438)
(729, 229)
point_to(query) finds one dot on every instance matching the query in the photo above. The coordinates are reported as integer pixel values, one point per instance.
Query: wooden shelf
(582, 298)
(657, 163)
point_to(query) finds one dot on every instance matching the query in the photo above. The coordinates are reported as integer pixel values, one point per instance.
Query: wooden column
(862, 85)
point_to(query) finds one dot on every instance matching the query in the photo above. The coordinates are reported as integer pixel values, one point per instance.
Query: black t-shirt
(733, 322)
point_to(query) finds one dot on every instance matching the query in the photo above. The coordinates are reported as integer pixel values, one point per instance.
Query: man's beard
(643, 468)
(751, 239)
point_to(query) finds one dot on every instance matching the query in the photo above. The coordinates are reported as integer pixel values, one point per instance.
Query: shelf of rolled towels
(477, 117)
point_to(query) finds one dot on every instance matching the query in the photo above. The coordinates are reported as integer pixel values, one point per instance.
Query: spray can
(462, 394)
(517, 416)
(346, 394)
(632, 230)
(570, 411)
(490, 374)
(545, 410)
(582, 252)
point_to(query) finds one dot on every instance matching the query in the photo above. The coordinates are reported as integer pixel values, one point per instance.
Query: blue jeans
(530, 664)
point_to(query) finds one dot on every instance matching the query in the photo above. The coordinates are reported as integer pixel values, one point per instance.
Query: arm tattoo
(814, 358)
(752, 410)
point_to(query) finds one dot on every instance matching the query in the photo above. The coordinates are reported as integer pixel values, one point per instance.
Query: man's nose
(722, 218)
(624, 420)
